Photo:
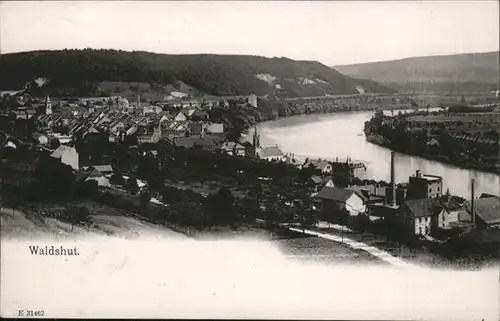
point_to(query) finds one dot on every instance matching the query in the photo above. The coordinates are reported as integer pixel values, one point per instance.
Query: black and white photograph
(250, 159)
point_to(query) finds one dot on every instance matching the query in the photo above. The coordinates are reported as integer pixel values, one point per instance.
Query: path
(383, 255)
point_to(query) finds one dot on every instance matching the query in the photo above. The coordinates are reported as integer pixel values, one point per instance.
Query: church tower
(256, 140)
(48, 106)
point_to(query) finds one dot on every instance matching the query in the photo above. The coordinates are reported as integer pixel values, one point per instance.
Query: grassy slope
(18, 224)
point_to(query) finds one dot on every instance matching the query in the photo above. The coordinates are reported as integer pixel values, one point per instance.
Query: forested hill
(460, 72)
(80, 72)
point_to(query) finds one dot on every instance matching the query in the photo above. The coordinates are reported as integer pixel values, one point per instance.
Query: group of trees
(77, 72)
(19, 127)
(395, 133)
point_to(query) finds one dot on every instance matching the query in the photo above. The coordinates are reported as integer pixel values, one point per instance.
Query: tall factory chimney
(472, 209)
(393, 180)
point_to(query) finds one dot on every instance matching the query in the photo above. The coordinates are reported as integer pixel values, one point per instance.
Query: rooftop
(424, 207)
(272, 151)
(488, 209)
(336, 194)
(62, 149)
(318, 163)
(431, 177)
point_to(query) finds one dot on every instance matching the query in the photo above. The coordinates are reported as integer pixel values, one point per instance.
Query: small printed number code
(30, 313)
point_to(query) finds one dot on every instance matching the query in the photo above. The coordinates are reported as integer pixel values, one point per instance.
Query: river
(341, 135)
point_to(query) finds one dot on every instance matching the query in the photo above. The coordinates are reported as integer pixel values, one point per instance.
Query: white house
(418, 214)
(324, 166)
(67, 155)
(180, 117)
(335, 199)
(252, 100)
(101, 180)
(271, 153)
(215, 128)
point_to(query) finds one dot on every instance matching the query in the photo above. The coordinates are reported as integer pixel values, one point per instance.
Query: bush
(76, 215)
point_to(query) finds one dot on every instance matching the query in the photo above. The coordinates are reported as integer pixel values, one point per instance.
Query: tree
(88, 188)
(219, 207)
(307, 218)
(117, 179)
(249, 208)
(145, 198)
(56, 180)
(361, 223)
(343, 219)
(77, 215)
(131, 185)
(54, 143)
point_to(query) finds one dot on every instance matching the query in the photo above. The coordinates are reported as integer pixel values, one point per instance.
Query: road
(383, 255)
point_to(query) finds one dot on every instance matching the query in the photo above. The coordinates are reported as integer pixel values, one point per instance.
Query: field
(315, 249)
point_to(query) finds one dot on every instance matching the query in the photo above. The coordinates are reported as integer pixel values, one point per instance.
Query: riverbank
(328, 136)
(378, 140)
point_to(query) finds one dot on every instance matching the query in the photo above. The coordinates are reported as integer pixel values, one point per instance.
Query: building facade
(425, 186)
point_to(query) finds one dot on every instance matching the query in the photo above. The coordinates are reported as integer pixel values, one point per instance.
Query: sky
(332, 32)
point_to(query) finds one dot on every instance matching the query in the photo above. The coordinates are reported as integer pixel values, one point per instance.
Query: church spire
(48, 106)
(256, 139)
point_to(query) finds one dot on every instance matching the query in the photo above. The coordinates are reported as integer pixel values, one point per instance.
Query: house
(165, 118)
(24, 113)
(426, 215)
(336, 199)
(180, 117)
(425, 186)
(486, 212)
(417, 215)
(215, 128)
(324, 166)
(99, 170)
(41, 138)
(374, 193)
(197, 129)
(252, 100)
(455, 214)
(318, 182)
(327, 180)
(199, 115)
(349, 168)
(188, 110)
(140, 183)
(67, 155)
(101, 180)
(233, 148)
(271, 153)
(208, 143)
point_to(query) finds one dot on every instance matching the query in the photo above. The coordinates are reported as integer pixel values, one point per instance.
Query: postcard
(250, 160)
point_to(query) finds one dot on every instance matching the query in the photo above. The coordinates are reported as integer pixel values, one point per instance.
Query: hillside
(79, 72)
(451, 73)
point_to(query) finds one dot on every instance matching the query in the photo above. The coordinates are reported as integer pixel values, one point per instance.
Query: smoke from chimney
(393, 180)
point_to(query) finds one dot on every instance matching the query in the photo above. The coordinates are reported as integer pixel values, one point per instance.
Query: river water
(341, 135)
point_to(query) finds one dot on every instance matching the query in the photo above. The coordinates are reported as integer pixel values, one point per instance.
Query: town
(191, 163)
